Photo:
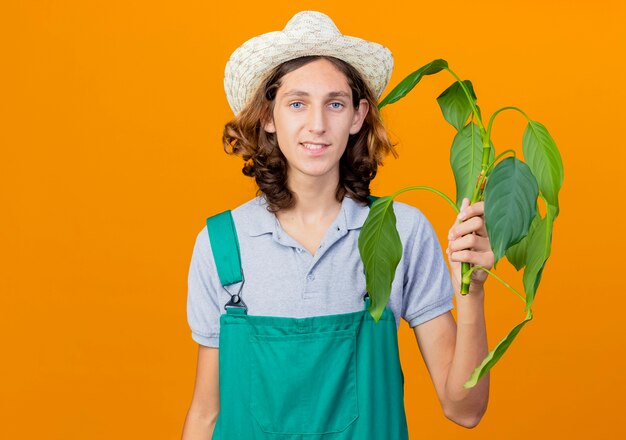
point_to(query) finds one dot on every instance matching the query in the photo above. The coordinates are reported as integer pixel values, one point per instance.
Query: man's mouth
(310, 146)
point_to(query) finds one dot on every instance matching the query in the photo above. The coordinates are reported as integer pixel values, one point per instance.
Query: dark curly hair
(245, 136)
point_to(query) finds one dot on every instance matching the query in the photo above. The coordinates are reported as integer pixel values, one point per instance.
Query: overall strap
(225, 247)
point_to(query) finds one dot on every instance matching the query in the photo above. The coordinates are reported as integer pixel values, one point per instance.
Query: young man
(300, 355)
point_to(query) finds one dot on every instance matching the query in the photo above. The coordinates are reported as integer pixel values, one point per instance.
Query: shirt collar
(264, 221)
(355, 213)
(351, 216)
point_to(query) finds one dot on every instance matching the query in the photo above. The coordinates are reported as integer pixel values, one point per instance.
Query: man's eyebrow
(339, 94)
(334, 94)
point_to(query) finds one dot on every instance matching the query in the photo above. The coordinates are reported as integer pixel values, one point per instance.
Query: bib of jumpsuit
(330, 377)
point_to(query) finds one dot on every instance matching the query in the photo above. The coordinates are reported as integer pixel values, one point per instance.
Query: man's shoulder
(408, 217)
(253, 217)
(253, 204)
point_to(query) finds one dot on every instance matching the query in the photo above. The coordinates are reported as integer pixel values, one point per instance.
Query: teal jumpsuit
(331, 377)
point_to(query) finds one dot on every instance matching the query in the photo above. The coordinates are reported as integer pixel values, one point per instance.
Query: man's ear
(268, 126)
(359, 116)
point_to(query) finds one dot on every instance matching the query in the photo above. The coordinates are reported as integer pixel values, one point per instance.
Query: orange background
(111, 116)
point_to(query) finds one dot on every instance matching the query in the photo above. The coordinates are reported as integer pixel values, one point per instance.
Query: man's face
(313, 117)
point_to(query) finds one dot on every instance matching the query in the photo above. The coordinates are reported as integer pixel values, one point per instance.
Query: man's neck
(316, 201)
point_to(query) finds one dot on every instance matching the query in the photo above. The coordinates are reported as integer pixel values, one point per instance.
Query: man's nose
(317, 120)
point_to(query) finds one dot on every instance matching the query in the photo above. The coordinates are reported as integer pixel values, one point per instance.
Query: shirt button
(299, 250)
(310, 277)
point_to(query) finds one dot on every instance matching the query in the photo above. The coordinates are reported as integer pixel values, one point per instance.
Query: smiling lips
(313, 146)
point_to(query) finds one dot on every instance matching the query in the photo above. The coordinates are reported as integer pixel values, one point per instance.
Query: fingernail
(461, 215)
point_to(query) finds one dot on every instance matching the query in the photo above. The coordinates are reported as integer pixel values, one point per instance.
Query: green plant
(510, 190)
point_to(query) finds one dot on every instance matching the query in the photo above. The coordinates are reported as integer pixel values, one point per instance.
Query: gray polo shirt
(283, 279)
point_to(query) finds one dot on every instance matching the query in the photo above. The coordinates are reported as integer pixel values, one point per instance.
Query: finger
(459, 256)
(469, 241)
(469, 211)
(462, 214)
(472, 242)
(482, 231)
(480, 227)
(484, 259)
(478, 208)
(474, 224)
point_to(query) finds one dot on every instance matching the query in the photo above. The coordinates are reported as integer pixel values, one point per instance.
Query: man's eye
(336, 105)
(296, 105)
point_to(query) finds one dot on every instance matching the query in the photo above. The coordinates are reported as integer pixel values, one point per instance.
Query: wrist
(474, 292)
(470, 307)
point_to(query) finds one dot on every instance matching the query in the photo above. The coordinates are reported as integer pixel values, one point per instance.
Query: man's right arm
(205, 405)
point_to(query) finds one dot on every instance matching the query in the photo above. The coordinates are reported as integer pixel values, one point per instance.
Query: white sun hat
(307, 33)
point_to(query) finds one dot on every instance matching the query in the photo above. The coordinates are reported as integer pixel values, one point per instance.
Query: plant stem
(427, 188)
(478, 193)
(498, 157)
(476, 196)
(497, 278)
(465, 266)
(501, 110)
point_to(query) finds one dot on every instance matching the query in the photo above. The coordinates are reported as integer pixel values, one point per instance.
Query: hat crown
(311, 23)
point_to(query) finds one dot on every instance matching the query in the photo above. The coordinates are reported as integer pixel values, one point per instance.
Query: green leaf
(510, 204)
(407, 84)
(466, 156)
(538, 251)
(517, 254)
(381, 250)
(454, 104)
(494, 355)
(544, 159)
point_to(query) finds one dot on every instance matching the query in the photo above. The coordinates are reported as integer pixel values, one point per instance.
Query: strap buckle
(235, 300)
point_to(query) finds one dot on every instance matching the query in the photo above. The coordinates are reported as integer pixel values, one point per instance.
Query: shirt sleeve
(203, 311)
(428, 290)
